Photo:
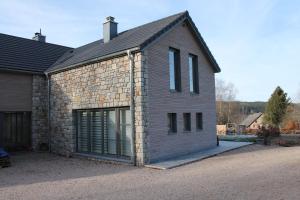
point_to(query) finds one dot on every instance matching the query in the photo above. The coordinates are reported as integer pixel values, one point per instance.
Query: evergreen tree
(276, 107)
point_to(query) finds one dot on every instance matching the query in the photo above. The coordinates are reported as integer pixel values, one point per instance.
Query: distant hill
(247, 108)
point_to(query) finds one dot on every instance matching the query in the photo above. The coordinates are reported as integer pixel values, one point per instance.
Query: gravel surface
(252, 172)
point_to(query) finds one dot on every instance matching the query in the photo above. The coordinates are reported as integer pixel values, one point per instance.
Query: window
(193, 74)
(199, 121)
(104, 131)
(187, 121)
(174, 68)
(172, 122)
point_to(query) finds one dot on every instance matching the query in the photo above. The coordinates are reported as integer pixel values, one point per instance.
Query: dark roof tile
(28, 55)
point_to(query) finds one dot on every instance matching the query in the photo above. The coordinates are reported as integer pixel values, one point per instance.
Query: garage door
(15, 130)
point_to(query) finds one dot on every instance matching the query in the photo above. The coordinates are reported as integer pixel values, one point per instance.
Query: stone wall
(141, 109)
(39, 111)
(99, 85)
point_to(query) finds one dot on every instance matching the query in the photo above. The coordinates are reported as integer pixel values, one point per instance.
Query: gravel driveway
(252, 172)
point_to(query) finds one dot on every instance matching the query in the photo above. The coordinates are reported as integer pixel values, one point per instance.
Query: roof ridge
(43, 43)
(180, 13)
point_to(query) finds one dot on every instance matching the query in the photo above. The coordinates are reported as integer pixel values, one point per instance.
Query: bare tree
(225, 96)
(298, 96)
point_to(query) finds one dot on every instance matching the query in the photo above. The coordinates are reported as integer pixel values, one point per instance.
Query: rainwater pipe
(132, 107)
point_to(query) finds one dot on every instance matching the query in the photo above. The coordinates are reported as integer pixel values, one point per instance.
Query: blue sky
(256, 43)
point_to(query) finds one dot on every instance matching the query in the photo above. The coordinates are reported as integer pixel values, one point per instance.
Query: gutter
(48, 122)
(132, 107)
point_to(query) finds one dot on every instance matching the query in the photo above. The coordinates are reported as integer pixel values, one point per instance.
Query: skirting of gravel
(251, 172)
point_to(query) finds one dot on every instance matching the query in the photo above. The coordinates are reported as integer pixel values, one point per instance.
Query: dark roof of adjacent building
(137, 38)
(28, 55)
(250, 119)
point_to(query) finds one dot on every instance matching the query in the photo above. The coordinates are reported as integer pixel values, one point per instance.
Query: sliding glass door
(104, 131)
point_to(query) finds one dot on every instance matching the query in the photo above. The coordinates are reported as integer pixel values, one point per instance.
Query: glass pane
(191, 78)
(83, 136)
(96, 132)
(125, 130)
(111, 129)
(172, 69)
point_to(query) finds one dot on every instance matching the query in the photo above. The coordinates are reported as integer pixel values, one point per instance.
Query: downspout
(132, 107)
(48, 120)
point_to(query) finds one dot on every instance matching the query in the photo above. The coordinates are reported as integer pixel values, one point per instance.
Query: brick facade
(106, 84)
(162, 101)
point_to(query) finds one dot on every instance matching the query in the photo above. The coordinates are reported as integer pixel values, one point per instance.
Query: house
(137, 96)
(253, 122)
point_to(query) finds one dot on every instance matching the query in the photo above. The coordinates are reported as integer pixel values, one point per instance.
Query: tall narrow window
(172, 120)
(174, 68)
(199, 121)
(187, 121)
(193, 74)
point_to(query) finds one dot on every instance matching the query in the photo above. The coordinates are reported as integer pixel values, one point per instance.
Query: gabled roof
(28, 55)
(137, 38)
(250, 119)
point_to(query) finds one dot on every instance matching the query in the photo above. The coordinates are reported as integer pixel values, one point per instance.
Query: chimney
(110, 29)
(39, 37)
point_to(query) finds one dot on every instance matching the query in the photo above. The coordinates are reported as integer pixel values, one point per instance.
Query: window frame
(193, 74)
(172, 123)
(176, 70)
(187, 122)
(199, 121)
(104, 125)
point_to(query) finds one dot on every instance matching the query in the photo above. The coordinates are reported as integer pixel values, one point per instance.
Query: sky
(256, 43)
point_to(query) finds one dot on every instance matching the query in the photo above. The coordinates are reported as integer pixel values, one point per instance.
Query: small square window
(199, 121)
(172, 122)
(187, 121)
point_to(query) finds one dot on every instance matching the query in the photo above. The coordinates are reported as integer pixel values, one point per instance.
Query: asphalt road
(252, 172)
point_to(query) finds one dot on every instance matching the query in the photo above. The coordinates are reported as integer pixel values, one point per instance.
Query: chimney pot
(39, 37)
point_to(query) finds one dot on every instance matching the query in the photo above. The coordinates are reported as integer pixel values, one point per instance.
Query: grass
(237, 138)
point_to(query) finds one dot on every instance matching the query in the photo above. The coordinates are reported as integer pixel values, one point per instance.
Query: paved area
(186, 159)
(251, 172)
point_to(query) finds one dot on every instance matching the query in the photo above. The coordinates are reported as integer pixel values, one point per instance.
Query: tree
(276, 108)
(227, 107)
(298, 96)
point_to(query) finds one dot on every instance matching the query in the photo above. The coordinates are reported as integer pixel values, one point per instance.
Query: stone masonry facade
(39, 111)
(99, 85)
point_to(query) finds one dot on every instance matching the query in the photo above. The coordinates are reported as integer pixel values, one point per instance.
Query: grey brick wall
(161, 101)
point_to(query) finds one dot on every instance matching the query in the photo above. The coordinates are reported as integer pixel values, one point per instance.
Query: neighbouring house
(136, 96)
(251, 123)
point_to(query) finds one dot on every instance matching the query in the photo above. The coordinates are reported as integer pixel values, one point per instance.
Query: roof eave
(101, 58)
(210, 57)
(22, 71)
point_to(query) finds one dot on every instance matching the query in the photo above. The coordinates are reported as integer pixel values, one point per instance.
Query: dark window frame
(195, 73)
(102, 111)
(177, 69)
(187, 122)
(199, 121)
(172, 123)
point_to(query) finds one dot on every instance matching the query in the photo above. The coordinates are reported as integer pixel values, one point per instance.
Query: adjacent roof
(250, 119)
(28, 55)
(137, 38)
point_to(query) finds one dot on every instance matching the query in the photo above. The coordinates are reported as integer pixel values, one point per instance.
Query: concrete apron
(190, 158)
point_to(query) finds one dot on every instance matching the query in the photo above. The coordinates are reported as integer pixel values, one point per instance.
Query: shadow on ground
(29, 168)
